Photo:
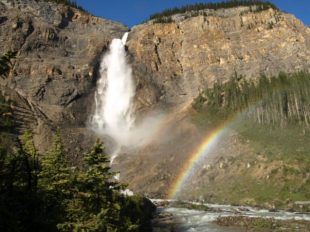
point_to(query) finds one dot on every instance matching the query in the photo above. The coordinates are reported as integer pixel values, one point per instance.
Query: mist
(114, 102)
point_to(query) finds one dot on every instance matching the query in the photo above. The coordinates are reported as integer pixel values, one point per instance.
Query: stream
(175, 219)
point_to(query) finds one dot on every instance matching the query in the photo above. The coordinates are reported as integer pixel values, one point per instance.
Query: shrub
(163, 20)
(261, 5)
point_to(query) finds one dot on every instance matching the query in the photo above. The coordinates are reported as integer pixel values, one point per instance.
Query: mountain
(185, 56)
(191, 53)
(53, 79)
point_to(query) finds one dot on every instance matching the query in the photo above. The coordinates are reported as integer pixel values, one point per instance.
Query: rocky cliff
(191, 53)
(54, 75)
(184, 57)
(55, 71)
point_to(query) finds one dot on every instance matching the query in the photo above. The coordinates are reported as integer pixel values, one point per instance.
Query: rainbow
(196, 158)
(198, 155)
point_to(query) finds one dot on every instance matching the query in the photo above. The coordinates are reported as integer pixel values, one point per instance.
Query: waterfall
(114, 96)
(114, 114)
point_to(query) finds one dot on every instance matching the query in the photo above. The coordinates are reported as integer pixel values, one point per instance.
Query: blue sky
(132, 12)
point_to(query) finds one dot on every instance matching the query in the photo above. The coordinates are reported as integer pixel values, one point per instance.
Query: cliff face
(54, 75)
(55, 71)
(173, 62)
(185, 56)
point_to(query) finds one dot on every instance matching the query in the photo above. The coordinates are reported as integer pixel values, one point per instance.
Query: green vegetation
(271, 116)
(6, 119)
(261, 5)
(163, 20)
(6, 63)
(280, 100)
(44, 193)
(279, 168)
(263, 224)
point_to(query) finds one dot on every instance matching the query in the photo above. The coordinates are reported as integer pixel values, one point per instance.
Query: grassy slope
(263, 224)
(272, 168)
(278, 171)
(288, 149)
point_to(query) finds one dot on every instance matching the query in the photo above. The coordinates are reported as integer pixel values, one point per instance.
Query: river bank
(264, 224)
(176, 216)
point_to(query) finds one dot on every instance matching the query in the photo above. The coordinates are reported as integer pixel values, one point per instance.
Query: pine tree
(279, 100)
(55, 173)
(32, 157)
(6, 63)
(19, 202)
(6, 119)
(93, 206)
(54, 182)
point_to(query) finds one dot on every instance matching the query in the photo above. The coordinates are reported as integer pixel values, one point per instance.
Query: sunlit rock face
(173, 62)
(59, 50)
(185, 56)
(54, 76)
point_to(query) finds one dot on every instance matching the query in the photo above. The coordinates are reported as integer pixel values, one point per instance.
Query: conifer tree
(6, 119)
(32, 157)
(19, 200)
(93, 206)
(55, 173)
(279, 100)
(54, 183)
(6, 63)
(47, 194)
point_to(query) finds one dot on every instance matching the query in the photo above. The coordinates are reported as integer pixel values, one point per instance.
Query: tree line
(278, 100)
(261, 5)
(45, 193)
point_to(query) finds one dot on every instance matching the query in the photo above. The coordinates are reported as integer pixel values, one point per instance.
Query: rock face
(186, 56)
(55, 71)
(54, 75)
(183, 58)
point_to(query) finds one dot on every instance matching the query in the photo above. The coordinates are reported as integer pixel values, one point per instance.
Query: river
(175, 219)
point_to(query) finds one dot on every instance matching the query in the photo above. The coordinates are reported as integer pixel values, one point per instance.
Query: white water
(188, 220)
(114, 95)
(195, 220)
(114, 102)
